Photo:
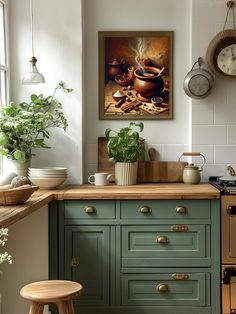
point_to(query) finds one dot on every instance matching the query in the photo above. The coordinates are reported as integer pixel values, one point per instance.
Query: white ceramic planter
(21, 169)
(126, 173)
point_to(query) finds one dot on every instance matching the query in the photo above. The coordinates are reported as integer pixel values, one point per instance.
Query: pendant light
(33, 76)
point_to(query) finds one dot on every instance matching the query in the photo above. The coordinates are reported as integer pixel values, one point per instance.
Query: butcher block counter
(13, 213)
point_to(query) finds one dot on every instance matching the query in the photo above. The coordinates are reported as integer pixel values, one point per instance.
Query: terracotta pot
(148, 82)
(115, 68)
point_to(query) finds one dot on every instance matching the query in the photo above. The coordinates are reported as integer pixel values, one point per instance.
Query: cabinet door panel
(161, 289)
(87, 247)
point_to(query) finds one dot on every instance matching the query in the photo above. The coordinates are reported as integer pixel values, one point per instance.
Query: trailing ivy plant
(26, 126)
(125, 145)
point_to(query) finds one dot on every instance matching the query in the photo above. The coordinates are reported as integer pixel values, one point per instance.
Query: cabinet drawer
(90, 209)
(163, 241)
(163, 209)
(163, 290)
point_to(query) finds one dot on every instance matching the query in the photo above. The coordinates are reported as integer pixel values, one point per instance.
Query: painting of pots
(138, 67)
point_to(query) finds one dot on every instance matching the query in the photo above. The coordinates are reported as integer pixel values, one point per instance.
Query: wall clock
(198, 82)
(221, 52)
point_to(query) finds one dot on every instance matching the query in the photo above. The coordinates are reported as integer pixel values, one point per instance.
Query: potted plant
(25, 126)
(124, 148)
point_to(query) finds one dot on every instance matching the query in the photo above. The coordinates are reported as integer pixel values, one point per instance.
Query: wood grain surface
(143, 191)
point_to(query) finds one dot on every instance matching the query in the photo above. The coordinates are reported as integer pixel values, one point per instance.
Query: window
(3, 55)
(4, 70)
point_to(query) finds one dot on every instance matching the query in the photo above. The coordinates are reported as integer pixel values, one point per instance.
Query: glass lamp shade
(33, 76)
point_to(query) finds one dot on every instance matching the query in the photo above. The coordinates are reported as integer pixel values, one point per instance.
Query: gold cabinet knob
(181, 209)
(90, 210)
(145, 210)
(162, 239)
(162, 287)
(75, 262)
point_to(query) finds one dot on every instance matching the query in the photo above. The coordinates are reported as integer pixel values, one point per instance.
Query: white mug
(100, 178)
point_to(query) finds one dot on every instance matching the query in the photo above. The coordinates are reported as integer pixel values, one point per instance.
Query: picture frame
(135, 75)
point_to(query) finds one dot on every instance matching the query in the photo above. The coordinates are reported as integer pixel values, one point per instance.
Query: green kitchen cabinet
(138, 256)
(87, 259)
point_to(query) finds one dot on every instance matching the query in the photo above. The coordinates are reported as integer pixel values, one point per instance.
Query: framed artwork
(136, 75)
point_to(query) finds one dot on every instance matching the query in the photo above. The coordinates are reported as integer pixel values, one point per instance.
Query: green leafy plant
(26, 126)
(125, 145)
(3, 238)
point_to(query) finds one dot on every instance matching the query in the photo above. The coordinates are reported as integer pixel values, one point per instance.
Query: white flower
(3, 238)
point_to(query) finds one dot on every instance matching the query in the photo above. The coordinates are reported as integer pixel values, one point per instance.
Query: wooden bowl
(17, 195)
(117, 98)
(123, 80)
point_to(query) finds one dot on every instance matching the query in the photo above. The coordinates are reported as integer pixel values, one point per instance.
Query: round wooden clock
(221, 54)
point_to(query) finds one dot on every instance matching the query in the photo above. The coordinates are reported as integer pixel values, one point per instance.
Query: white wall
(214, 118)
(58, 48)
(28, 244)
(169, 137)
(208, 124)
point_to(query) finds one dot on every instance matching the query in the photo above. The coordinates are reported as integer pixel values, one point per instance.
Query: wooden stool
(59, 292)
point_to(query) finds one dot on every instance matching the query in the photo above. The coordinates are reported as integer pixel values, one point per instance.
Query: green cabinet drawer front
(87, 261)
(90, 209)
(163, 209)
(163, 290)
(161, 241)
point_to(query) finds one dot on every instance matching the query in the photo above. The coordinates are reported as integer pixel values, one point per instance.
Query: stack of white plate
(47, 177)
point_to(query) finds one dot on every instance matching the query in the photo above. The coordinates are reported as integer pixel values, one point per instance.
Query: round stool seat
(44, 292)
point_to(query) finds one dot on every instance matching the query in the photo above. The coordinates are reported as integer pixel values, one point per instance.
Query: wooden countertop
(13, 213)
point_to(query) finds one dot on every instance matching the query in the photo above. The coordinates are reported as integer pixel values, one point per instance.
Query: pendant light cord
(230, 5)
(32, 33)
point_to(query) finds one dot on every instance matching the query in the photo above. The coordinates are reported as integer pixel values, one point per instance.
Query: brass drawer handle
(180, 228)
(145, 210)
(180, 276)
(181, 209)
(75, 262)
(90, 210)
(162, 239)
(162, 287)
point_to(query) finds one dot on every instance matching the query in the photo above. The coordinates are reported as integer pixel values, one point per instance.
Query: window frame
(5, 67)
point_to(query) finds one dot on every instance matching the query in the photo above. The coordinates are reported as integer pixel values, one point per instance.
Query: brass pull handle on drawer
(162, 287)
(90, 210)
(180, 228)
(181, 209)
(162, 239)
(145, 210)
(180, 276)
(75, 262)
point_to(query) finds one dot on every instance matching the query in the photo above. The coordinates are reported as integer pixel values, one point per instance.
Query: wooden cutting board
(148, 171)
(104, 165)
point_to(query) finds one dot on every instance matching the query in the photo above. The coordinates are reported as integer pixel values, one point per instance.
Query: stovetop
(225, 187)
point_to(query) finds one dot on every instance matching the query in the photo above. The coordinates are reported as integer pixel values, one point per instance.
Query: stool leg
(70, 306)
(66, 307)
(36, 308)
